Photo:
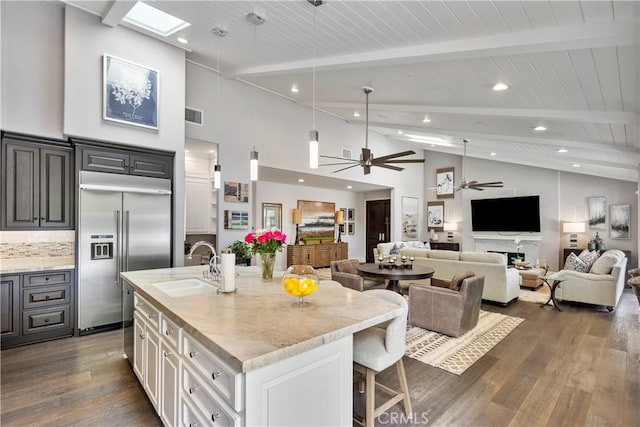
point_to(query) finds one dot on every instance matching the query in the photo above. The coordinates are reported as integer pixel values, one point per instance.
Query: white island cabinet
(250, 358)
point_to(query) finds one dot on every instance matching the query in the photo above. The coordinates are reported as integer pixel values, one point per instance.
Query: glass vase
(268, 259)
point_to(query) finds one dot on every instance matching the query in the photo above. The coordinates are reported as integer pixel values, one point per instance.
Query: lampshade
(217, 171)
(450, 226)
(339, 217)
(573, 227)
(296, 217)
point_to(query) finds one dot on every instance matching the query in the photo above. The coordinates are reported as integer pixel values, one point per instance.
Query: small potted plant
(242, 251)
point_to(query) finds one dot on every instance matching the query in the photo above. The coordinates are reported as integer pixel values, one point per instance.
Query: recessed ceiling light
(493, 153)
(300, 179)
(211, 151)
(500, 86)
(356, 113)
(151, 19)
(426, 119)
(294, 88)
(575, 165)
(432, 145)
(349, 187)
(562, 150)
(540, 128)
(183, 40)
(400, 132)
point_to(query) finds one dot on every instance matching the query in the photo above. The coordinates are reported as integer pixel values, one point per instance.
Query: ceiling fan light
(313, 149)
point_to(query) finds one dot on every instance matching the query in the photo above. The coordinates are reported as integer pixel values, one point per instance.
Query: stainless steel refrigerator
(124, 225)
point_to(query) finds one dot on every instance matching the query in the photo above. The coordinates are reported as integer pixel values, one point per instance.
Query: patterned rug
(455, 355)
(538, 296)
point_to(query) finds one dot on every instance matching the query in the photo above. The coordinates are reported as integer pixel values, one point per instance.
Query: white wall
(32, 36)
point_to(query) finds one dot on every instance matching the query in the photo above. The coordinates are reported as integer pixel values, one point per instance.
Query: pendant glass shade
(313, 149)
(217, 172)
(254, 165)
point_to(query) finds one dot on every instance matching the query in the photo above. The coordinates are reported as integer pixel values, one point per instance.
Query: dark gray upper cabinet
(126, 162)
(37, 181)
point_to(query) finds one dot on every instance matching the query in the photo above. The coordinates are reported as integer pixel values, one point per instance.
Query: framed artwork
(236, 220)
(620, 221)
(352, 228)
(130, 93)
(597, 212)
(351, 214)
(236, 192)
(435, 216)
(318, 219)
(445, 183)
(272, 215)
(409, 218)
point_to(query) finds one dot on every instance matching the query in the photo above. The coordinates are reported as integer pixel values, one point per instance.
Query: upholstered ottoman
(531, 277)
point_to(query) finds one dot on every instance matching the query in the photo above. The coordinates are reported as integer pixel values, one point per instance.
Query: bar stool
(376, 349)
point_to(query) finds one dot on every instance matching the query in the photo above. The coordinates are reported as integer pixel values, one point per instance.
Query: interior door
(378, 224)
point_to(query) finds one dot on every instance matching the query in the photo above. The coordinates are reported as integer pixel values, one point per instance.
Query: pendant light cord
(314, 68)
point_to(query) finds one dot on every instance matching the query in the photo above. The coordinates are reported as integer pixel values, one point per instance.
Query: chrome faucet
(213, 262)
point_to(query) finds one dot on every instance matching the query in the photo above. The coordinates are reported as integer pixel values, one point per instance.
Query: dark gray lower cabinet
(36, 307)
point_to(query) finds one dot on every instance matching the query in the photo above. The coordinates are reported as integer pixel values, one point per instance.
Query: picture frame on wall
(130, 92)
(236, 192)
(445, 183)
(435, 216)
(236, 220)
(351, 214)
(272, 215)
(620, 221)
(352, 228)
(318, 220)
(409, 218)
(597, 207)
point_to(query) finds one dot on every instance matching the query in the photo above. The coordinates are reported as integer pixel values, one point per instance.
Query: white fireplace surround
(502, 243)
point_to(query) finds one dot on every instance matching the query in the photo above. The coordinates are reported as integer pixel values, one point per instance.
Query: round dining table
(394, 275)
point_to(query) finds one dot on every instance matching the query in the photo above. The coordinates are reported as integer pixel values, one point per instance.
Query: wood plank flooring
(579, 367)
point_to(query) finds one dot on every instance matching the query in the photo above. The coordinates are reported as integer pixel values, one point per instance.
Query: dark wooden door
(22, 181)
(378, 224)
(55, 188)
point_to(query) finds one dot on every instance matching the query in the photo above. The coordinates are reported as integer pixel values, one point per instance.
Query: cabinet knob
(193, 424)
(215, 417)
(46, 320)
(193, 389)
(193, 354)
(35, 218)
(41, 218)
(167, 354)
(215, 375)
(46, 279)
(168, 332)
(142, 336)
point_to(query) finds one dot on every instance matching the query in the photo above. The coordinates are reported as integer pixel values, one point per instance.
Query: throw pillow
(589, 257)
(384, 248)
(575, 263)
(457, 280)
(395, 250)
(604, 264)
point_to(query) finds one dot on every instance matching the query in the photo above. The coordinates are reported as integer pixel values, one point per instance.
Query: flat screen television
(506, 214)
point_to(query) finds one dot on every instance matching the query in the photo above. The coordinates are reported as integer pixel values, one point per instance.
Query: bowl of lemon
(300, 281)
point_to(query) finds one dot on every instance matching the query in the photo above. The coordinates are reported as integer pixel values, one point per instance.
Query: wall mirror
(272, 215)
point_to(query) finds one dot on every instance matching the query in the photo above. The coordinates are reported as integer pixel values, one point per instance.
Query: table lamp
(450, 227)
(296, 218)
(574, 228)
(340, 221)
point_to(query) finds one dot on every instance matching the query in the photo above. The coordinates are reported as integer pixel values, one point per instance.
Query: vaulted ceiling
(571, 66)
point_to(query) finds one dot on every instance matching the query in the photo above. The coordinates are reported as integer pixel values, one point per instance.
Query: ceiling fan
(473, 185)
(367, 160)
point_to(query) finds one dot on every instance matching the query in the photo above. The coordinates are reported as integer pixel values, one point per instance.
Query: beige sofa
(501, 284)
(602, 285)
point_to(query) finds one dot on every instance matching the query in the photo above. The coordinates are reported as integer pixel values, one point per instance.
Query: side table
(553, 284)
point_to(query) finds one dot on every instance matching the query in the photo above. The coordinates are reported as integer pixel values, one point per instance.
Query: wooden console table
(318, 255)
(444, 246)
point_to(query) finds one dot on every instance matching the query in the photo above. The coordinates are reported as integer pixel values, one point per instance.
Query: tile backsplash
(31, 244)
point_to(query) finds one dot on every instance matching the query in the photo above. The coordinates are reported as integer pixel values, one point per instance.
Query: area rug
(455, 355)
(540, 295)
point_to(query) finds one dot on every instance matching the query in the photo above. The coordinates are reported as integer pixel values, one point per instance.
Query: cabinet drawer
(45, 296)
(35, 321)
(49, 278)
(218, 375)
(210, 405)
(146, 310)
(170, 332)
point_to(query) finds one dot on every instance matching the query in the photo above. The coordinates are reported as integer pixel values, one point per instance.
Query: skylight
(151, 19)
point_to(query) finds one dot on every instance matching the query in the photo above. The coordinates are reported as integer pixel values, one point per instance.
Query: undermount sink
(183, 287)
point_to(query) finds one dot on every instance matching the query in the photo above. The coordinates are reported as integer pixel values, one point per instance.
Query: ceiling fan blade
(334, 157)
(343, 163)
(400, 154)
(387, 166)
(367, 169)
(344, 169)
(406, 161)
(476, 188)
(495, 183)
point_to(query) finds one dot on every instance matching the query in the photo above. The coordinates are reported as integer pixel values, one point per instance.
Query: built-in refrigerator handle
(116, 215)
(126, 236)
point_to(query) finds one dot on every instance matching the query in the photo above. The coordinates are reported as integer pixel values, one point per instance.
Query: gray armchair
(345, 272)
(445, 310)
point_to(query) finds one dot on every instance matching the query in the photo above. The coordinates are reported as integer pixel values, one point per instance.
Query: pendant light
(313, 134)
(253, 165)
(256, 20)
(217, 168)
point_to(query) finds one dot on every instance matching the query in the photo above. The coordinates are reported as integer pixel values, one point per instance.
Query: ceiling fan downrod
(367, 90)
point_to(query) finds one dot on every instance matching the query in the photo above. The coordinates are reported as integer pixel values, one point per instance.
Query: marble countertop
(259, 325)
(26, 265)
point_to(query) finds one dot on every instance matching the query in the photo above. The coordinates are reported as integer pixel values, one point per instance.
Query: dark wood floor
(579, 367)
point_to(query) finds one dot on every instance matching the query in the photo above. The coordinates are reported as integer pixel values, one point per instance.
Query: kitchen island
(250, 357)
